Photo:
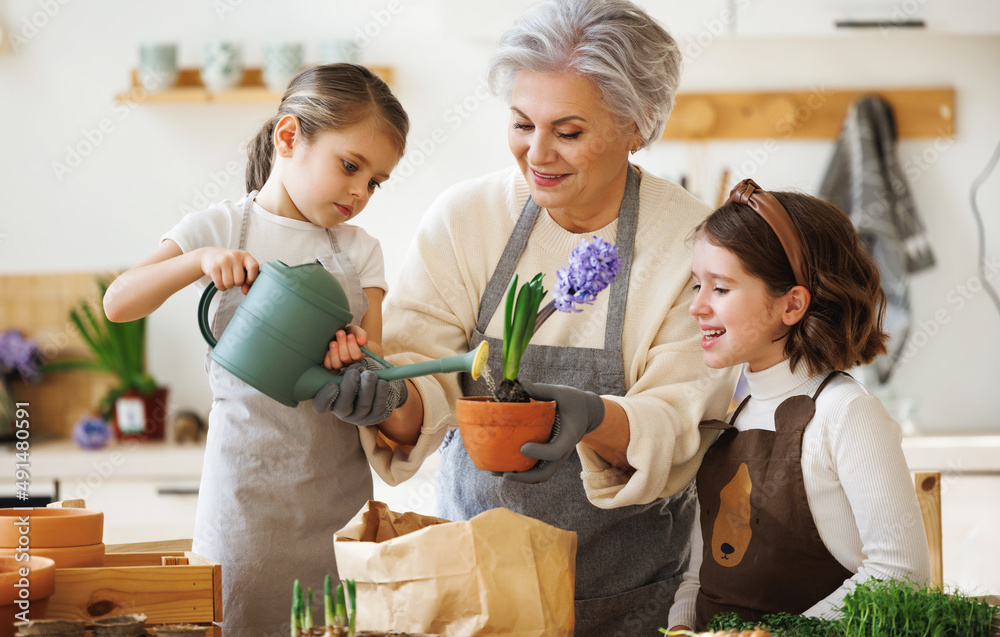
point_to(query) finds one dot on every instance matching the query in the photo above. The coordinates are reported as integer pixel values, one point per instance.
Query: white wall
(159, 160)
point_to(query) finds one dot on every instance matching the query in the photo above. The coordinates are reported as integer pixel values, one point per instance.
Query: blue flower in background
(91, 432)
(592, 267)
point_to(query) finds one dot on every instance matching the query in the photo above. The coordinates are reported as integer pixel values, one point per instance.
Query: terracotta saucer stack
(72, 538)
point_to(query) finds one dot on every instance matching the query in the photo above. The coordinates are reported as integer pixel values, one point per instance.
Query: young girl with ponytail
(278, 481)
(806, 491)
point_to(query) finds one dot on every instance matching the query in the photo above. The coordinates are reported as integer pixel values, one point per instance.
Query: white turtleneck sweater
(858, 485)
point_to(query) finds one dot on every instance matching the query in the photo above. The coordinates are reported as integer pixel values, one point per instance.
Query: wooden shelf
(816, 114)
(189, 89)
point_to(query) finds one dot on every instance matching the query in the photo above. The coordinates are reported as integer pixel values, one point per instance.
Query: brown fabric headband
(765, 204)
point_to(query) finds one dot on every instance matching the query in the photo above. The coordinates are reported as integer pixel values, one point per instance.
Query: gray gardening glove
(361, 398)
(578, 413)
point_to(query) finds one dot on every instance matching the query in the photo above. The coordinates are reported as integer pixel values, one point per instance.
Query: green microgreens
(881, 608)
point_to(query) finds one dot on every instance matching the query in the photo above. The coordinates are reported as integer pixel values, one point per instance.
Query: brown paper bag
(500, 573)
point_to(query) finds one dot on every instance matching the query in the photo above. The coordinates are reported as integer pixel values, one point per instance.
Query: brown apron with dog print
(763, 553)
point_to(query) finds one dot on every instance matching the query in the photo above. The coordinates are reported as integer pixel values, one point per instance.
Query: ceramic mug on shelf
(222, 66)
(282, 62)
(157, 66)
(339, 51)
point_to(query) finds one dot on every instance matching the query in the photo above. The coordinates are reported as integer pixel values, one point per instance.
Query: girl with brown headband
(806, 491)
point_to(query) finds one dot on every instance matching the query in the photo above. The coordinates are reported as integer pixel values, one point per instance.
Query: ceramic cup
(157, 66)
(339, 51)
(222, 66)
(282, 62)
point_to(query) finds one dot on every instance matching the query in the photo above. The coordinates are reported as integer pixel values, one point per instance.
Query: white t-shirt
(272, 238)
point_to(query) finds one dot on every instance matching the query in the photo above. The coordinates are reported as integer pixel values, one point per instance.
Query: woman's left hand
(579, 412)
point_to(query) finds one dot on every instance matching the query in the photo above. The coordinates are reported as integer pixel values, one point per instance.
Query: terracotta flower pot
(41, 581)
(89, 556)
(494, 432)
(51, 527)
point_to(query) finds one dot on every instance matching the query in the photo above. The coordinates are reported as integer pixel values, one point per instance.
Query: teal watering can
(282, 330)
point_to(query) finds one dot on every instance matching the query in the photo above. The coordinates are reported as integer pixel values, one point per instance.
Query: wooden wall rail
(813, 114)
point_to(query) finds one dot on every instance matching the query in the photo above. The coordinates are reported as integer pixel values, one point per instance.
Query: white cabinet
(970, 508)
(693, 20)
(148, 491)
(146, 510)
(482, 21)
(686, 20)
(487, 21)
(970, 517)
(967, 17)
(768, 18)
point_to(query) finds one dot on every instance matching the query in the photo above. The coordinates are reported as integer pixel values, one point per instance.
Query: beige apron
(277, 482)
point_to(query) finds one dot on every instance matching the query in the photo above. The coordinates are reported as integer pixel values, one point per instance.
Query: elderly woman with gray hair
(588, 82)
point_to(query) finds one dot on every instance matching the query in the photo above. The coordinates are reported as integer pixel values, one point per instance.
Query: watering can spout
(474, 362)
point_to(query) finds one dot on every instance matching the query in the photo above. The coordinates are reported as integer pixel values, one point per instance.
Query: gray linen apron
(630, 559)
(277, 483)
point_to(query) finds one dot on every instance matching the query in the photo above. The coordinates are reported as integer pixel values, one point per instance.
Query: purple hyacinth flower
(592, 267)
(19, 354)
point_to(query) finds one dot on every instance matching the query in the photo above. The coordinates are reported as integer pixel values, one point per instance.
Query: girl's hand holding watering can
(229, 268)
(361, 398)
(346, 348)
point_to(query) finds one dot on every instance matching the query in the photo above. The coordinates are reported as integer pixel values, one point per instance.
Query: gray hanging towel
(866, 181)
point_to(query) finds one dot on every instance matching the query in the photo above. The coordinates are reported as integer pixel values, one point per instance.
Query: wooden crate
(169, 587)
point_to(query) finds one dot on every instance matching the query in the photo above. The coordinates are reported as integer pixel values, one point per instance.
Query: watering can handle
(206, 329)
(206, 300)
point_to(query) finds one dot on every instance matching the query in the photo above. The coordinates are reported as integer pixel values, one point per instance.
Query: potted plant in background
(494, 427)
(21, 358)
(137, 406)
